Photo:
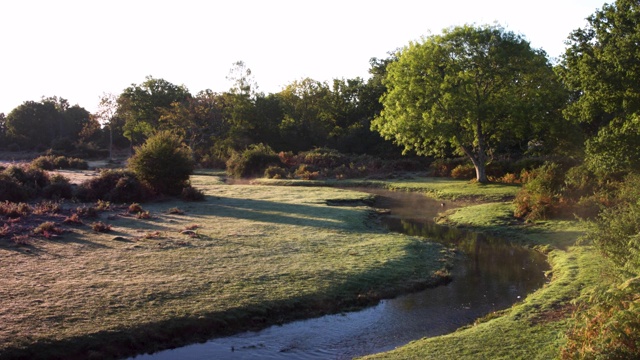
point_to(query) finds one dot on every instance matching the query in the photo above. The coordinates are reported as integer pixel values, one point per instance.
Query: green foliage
(52, 162)
(615, 149)
(141, 106)
(163, 162)
(601, 66)
(539, 195)
(252, 162)
(471, 89)
(40, 124)
(616, 232)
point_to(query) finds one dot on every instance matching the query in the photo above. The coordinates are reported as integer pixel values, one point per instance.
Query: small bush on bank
(252, 162)
(164, 163)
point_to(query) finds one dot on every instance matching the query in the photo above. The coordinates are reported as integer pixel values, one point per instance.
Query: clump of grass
(21, 240)
(73, 219)
(47, 207)
(135, 208)
(11, 209)
(87, 212)
(48, 229)
(175, 211)
(99, 226)
(143, 215)
(191, 227)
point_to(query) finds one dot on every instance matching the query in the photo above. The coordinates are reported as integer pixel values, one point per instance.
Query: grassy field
(252, 256)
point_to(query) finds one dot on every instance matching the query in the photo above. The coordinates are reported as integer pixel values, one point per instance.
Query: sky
(79, 50)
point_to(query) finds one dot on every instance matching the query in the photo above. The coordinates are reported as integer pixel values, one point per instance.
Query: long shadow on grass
(411, 273)
(320, 215)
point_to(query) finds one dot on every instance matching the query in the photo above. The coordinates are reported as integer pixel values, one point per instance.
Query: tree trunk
(481, 174)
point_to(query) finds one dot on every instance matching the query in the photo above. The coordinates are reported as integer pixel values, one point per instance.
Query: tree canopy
(469, 88)
(601, 68)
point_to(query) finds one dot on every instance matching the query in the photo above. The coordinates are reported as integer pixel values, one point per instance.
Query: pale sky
(79, 50)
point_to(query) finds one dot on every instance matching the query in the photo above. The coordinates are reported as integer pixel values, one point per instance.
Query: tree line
(480, 92)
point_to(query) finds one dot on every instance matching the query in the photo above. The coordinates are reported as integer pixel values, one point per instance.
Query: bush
(11, 190)
(163, 162)
(52, 162)
(252, 162)
(276, 172)
(58, 188)
(540, 193)
(113, 185)
(443, 167)
(190, 193)
(466, 171)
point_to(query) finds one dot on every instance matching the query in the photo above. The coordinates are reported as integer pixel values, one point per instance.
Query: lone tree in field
(469, 88)
(164, 162)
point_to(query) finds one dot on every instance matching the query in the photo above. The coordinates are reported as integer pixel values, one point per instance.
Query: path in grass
(260, 255)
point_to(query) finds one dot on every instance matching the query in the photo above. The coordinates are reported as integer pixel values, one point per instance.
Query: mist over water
(491, 275)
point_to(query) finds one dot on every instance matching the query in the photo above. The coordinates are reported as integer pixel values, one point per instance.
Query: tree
(140, 106)
(107, 108)
(467, 88)
(199, 120)
(164, 162)
(307, 118)
(601, 68)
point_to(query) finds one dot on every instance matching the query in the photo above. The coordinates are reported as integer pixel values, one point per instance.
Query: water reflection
(492, 275)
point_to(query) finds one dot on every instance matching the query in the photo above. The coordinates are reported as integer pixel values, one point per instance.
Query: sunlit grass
(256, 255)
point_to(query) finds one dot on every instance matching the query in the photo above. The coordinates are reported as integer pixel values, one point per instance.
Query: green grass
(439, 188)
(260, 255)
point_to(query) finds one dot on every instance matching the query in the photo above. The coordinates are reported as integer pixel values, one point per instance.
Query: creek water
(492, 274)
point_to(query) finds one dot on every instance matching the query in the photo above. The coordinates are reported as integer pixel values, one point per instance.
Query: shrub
(252, 162)
(443, 167)
(12, 209)
(58, 188)
(52, 162)
(47, 207)
(175, 211)
(99, 226)
(134, 208)
(276, 172)
(163, 162)
(466, 171)
(189, 193)
(48, 229)
(113, 185)
(73, 219)
(12, 190)
(324, 158)
(540, 193)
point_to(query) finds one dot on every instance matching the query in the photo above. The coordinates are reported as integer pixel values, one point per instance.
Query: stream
(491, 275)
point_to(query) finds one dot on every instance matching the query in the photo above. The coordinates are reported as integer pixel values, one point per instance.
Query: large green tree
(467, 88)
(38, 124)
(601, 68)
(141, 106)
